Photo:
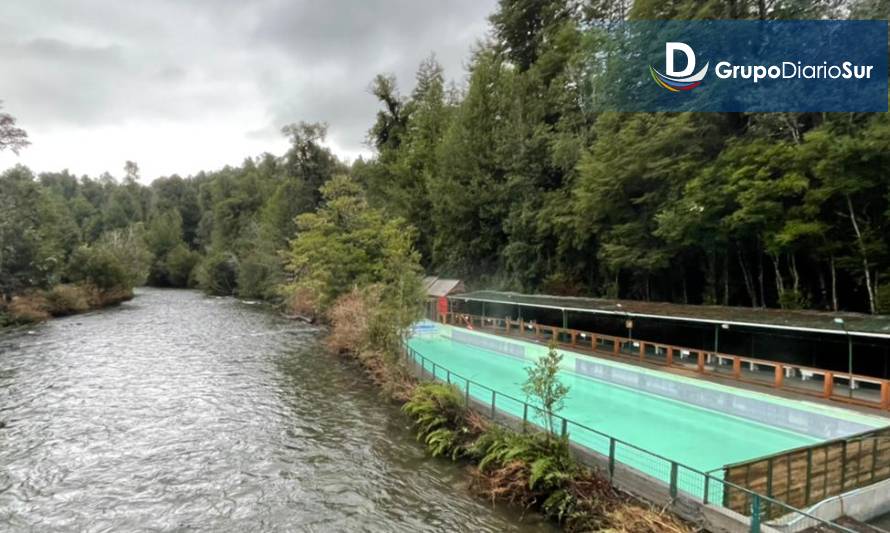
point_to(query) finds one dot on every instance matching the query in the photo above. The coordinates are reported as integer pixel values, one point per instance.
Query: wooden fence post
(701, 362)
(736, 367)
(780, 376)
(670, 355)
(642, 351)
(828, 386)
(885, 395)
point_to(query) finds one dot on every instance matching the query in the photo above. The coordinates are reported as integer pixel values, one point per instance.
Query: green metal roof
(856, 324)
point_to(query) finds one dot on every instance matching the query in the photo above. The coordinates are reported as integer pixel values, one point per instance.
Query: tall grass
(61, 300)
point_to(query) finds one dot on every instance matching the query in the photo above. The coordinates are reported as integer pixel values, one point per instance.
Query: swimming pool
(700, 424)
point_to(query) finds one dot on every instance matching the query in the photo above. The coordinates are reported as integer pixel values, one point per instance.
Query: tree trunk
(685, 294)
(794, 274)
(834, 305)
(725, 279)
(823, 290)
(711, 279)
(780, 283)
(749, 283)
(760, 275)
(866, 268)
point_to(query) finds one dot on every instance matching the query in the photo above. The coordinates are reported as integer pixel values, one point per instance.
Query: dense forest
(506, 179)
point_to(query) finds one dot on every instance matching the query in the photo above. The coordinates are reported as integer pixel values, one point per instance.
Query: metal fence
(622, 460)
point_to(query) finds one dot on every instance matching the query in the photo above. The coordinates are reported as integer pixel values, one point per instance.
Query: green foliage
(218, 273)
(439, 416)
(544, 388)
(884, 299)
(346, 243)
(119, 260)
(791, 299)
(68, 300)
(173, 262)
(179, 263)
(11, 136)
(549, 462)
(512, 183)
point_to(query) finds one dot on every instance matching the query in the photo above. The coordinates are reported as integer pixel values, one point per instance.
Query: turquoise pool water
(700, 438)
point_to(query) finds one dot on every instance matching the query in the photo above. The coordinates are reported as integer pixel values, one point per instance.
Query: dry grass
(349, 320)
(350, 324)
(631, 518)
(61, 300)
(302, 303)
(598, 507)
(111, 297)
(508, 483)
(65, 300)
(28, 308)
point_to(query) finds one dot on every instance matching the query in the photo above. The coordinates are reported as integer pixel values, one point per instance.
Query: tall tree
(11, 136)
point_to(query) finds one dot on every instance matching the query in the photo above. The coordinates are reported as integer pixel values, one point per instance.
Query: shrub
(440, 418)
(178, 265)
(259, 276)
(114, 262)
(27, 309)
(883, 303)
(301, 302)
(544, 387)
(791, 299)
(218, 274)
(65, 300)
(112, 297)
(349, 320)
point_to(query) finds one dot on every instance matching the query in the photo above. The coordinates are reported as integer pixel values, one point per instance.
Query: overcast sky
(186, 85)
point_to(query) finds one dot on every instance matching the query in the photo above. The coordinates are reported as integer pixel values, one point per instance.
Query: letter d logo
(678, 80)
(670, 50)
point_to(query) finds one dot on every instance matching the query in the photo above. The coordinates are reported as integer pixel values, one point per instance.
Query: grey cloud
(105, 62)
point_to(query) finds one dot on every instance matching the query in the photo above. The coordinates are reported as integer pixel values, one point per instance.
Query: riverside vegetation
(369, 311)
(508, 181)
(511, 182)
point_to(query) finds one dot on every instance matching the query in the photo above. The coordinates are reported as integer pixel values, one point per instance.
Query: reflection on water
(182, 412)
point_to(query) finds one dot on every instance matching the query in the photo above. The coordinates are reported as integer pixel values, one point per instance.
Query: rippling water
(180, 412)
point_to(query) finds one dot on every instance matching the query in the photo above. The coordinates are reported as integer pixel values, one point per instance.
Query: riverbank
(527, 470)
(62, 300)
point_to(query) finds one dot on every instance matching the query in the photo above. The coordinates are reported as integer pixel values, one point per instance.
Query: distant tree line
(506, 180)
(221, 231)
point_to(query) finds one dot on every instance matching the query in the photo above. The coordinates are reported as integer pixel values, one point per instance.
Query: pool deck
(751, 381)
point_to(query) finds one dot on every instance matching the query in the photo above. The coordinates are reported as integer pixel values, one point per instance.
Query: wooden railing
(840, 386)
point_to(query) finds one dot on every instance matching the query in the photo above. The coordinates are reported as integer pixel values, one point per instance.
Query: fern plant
(439, 417)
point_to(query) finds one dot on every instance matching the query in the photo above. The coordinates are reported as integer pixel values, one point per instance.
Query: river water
(181, 412)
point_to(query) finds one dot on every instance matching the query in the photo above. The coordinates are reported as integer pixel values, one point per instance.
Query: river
(182, 412)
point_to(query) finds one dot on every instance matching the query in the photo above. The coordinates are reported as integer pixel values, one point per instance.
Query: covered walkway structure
(843, 356)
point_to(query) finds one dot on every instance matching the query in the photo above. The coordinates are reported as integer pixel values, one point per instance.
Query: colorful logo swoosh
(676, 85)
